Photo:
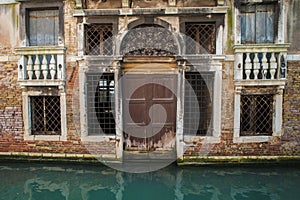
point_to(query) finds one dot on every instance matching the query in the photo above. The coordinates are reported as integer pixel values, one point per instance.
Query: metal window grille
(99, 39)
(198, 96)
(256, 115)
(45, 115)
(201, 38)
(101, 90)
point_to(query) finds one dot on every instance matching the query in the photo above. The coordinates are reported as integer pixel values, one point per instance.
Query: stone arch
(149, 36)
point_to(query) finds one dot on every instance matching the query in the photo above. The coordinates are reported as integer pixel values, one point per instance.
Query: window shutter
(43, 27)
(248, 24)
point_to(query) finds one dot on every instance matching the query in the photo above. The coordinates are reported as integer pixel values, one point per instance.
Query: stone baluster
(248, 66)
(29, 67)
(273, 65)
(282, 64)
(256, 65)
(264, 63)
(36, 66)
(44, 67)
(52, 67)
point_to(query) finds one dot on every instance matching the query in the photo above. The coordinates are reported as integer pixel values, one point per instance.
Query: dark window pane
(256, 115)
(98, 39)
(45, 115)
(101, 91)
(198, 103)
(201, 38)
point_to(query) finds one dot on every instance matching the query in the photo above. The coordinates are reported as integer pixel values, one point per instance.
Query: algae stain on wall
(230, 23)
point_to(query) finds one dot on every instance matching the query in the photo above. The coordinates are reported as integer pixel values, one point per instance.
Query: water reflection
(41, 181)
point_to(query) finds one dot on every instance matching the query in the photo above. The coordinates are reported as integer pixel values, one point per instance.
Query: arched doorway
(149, 88)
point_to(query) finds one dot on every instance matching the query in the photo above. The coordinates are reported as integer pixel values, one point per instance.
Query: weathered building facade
(195, 78)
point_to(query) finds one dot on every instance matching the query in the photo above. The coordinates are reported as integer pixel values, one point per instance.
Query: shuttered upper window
(43, 27)
(258, 23)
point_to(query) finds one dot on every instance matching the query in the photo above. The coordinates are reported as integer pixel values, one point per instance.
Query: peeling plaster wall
(294, 25)
(96, 4)
(8, 27)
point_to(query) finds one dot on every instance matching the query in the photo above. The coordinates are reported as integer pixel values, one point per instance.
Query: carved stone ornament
(149, 41)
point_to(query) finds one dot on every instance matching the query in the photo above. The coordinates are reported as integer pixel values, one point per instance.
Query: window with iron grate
(256, 115)
(98, 39)
(198, 103)
(101, 93)
(201, 38)
(45, 115)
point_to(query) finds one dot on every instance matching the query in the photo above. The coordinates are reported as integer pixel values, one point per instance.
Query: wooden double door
(149, 111)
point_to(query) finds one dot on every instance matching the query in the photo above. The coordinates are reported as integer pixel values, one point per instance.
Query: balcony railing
(260, 62)
(41, 64)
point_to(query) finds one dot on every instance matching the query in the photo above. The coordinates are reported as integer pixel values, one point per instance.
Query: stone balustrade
(38, 64)
(260, 62)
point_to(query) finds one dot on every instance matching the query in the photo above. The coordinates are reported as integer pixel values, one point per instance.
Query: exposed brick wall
(291, 110)
(11, 117)
(287, 144)
(10, 100)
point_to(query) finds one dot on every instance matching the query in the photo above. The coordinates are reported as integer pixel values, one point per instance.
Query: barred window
(201, 38)
(101, 93)
(198, 103)
(256, 114)
(98, 39)
(45, 115)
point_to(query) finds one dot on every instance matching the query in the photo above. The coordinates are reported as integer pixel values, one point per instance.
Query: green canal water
(49, 181)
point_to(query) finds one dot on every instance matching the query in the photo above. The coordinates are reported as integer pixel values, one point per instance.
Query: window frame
(36, 91)
(281, 21)
(101, 49)
(277, 114)
(84, 101)
(198, 49)
(256, 10)
(218, 20)
(94, 112)
(96, 20)
(26, 7)
(207, 112)
(215, 136)
(252, 108)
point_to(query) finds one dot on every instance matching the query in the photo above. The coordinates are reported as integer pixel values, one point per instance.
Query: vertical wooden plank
(248, 24)
(261, 24)
(56, 27)
(48, 22)
(243, 27)
(41, 28)
(32, 28)
(270, 23)
(44, 27)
